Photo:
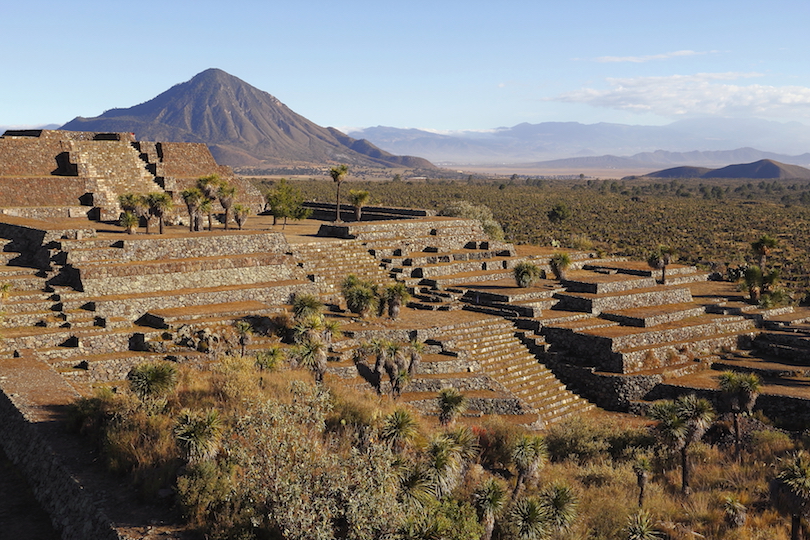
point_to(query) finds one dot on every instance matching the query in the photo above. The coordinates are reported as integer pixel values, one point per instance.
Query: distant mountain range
(571, 145)
(760, 170)
(243, 126)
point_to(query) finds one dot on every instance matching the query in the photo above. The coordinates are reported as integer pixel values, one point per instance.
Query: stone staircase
(493, 344)
(328, 263)
(112, 167)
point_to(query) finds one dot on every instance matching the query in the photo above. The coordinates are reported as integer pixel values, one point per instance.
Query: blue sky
(442, 65)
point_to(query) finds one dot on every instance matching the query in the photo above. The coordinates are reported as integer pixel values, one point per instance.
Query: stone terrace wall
(326, 212)
(69, 506)
(189, 160)
(29, 156)
(39, 191)
(148, 249)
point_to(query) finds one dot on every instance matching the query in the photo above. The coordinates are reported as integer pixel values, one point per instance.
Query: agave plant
(641, 526)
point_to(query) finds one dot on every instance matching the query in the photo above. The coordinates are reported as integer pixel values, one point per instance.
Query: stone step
(136, 305)
(173, 317)
(649, 316)
(596, 303)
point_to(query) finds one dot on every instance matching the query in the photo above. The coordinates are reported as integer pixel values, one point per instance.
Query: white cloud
(649, 58)
(696, 95)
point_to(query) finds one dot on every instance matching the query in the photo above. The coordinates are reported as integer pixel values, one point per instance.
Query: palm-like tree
(244, 331)
(451, 404)
(444, 462)
(642, 467)
(396, 295)
(734, 512)
(240, 214)
(209, 187)
(763, 247)
(640, 526)
(198, 434)
(270, 359)
(311, 355)
(529, 520)
(526, 273)
(415, 349)
(137, 205)
(680, 423)
(741, 391)
(752, 280)
(790, 490)
(359, 198)
(560, 262)
(529, 454)
(361, 298)
(338, 174)
(489, 499)
(226, 194)
(160, 203)
(399, 429)
(129, 222)
(206, 208)
(659, 259)
(192, 197)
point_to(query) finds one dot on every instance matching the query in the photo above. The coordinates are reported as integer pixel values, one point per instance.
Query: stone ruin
(88, 302)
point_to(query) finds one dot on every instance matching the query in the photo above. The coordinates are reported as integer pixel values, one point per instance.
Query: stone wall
(326, 212)
(71, 509)
(176, 275)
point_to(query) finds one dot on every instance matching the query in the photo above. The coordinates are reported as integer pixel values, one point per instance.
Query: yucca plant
(560, 262)
(489, 500)
(152, 379)
(305, 306)
(529, 520)
(641, 526)
(270, 359)
(399, 429)
(129, 222)
(244, 331)
(528, 454)
(527, 273)
(198, 434)
(451, 404)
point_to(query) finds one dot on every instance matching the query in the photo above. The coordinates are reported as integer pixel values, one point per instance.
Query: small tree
(338, 174)
(560, 262)
(559, 213)
(209, 187)
(244, 331)
(741, 391)
(226, 194)
(681, 423)
(489, 499)
(359, 199)
(137, 205)
(240, 214)
(287, 201)
(451, 404)
(160, 203)
(763, 247)
(528, 454)
(396, 295)
(790, 490)
(193, 198)
(130, 222)
(659, 259)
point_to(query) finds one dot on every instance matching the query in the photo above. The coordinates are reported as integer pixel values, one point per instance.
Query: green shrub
(576, 439)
